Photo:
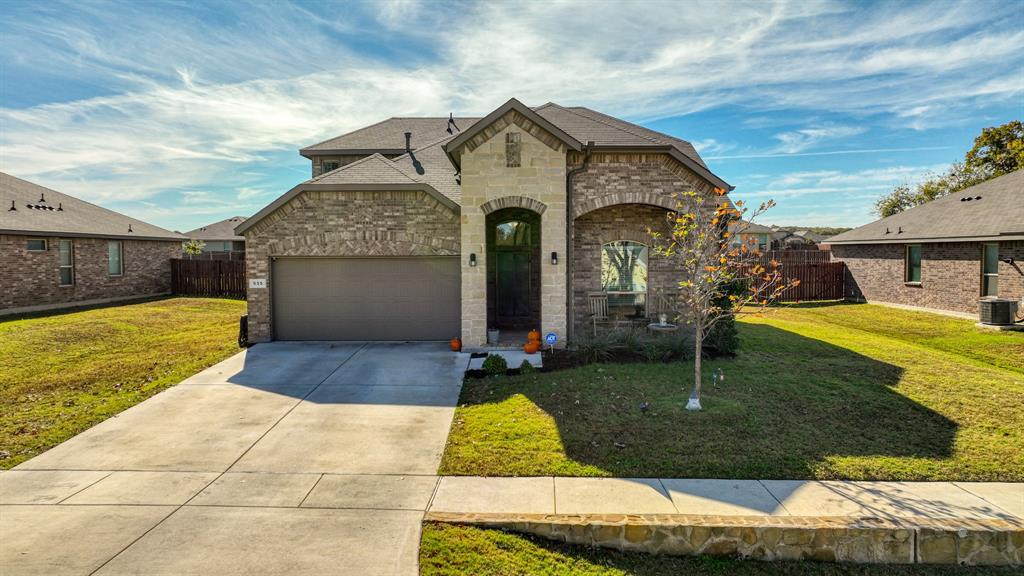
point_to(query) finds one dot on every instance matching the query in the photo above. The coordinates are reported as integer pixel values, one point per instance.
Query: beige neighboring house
(432, 228)
(219, 239)
(946, 254)
(58, 251)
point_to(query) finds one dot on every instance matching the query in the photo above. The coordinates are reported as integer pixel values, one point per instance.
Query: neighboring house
(754, 233)
(799, 240)
(945, 254)
(220, 238)
(57, 250)
(431, 228)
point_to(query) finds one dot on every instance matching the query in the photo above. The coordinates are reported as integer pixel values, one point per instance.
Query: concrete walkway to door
(288, 458)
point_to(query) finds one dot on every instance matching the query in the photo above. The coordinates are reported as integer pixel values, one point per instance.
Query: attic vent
(513, 146)
(969, 198)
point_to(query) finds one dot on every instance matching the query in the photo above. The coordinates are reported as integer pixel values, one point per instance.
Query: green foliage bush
(526, 368)
(495, 364)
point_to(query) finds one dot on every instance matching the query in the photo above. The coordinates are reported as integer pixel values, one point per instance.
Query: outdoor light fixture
(472, 259)
(554, 258)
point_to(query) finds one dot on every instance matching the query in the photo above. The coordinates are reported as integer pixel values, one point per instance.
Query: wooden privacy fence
(820, 281)
(208, 277)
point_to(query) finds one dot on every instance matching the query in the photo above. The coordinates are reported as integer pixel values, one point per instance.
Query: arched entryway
(513, 269)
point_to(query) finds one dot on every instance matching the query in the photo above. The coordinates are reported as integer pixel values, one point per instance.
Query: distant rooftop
(223, 230)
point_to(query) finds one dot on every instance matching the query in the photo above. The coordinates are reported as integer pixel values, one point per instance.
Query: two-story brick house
(430, 228)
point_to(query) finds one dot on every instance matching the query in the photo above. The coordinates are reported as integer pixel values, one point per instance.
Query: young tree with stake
(722, 274)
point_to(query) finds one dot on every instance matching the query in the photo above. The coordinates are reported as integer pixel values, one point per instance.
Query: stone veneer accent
(486, 179)
(371, 223)
(950, 274)
(829, 539)
(622, 222)
(32, 279)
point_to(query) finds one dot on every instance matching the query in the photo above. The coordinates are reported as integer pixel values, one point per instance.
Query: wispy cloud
(187, 97)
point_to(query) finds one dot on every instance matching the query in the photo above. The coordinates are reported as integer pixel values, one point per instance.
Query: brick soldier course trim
(513, 202)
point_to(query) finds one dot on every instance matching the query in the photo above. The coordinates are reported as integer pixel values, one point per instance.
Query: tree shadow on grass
(789, 406)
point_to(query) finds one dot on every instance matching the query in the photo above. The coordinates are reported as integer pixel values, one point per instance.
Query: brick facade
(950, 274)
(630, 178)
(32, 279)
(624, 222)
(400, 223)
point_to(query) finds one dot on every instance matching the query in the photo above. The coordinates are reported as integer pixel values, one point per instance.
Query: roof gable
(39, 210)
(512, 111)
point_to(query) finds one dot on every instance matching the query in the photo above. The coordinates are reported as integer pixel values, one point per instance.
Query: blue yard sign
(551, 338)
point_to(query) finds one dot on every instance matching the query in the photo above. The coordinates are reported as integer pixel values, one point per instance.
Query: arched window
(514, 233)
(624, 275)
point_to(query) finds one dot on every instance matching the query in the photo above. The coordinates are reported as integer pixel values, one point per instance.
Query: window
(624, 275)
(513, 146)
(328, 165)
(67, 263)
(990, 269)
(36, 245)
(115, 260)
(913, 264)
(513, 233)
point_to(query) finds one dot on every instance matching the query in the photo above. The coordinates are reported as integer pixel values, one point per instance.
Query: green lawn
(837, 391)
(63, 373)
(447, 550)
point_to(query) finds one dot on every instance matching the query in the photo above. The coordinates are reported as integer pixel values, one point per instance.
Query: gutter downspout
(570, 317)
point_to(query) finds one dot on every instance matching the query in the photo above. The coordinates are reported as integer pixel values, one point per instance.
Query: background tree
(720, 278)
(998, 150)
(193, 247)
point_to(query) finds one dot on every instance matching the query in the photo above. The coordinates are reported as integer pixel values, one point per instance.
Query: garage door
(366, 298)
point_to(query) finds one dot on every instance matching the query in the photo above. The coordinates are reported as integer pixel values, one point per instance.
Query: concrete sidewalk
(548, 495)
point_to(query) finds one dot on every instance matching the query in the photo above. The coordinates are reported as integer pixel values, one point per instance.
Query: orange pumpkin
(533, 336)
(531, 347)
(456, 344)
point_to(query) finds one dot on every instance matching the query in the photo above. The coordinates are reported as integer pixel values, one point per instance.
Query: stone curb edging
(831, 539)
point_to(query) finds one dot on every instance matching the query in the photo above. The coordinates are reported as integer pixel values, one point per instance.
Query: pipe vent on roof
(408, 141)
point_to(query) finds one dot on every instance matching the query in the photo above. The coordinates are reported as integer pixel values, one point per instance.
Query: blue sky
(183, 113)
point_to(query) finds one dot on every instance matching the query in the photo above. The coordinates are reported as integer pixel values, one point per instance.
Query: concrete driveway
(288, 458)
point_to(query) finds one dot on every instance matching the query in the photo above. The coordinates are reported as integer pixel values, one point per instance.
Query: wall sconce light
(554, 258)
(472, 259)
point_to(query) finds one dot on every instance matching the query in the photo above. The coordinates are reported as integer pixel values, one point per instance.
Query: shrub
(526, 367)
(495, 364)
(595, 348)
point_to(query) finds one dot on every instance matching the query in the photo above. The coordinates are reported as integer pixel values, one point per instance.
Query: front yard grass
(837, 391)
(448, 550)
(61, 374)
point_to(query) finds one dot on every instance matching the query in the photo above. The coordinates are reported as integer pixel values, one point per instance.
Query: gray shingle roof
(587, 125)
(223, 230)
(581, 123)
(390, 135)
(995, 211)
(374, 169)
(63, 215)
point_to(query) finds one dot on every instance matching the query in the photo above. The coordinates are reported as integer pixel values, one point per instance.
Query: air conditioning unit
(997, 311)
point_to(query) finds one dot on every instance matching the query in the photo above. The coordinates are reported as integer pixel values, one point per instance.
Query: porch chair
(598, 308)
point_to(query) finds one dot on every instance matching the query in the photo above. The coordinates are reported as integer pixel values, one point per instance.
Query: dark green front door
(513, 273)
(513, 289)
